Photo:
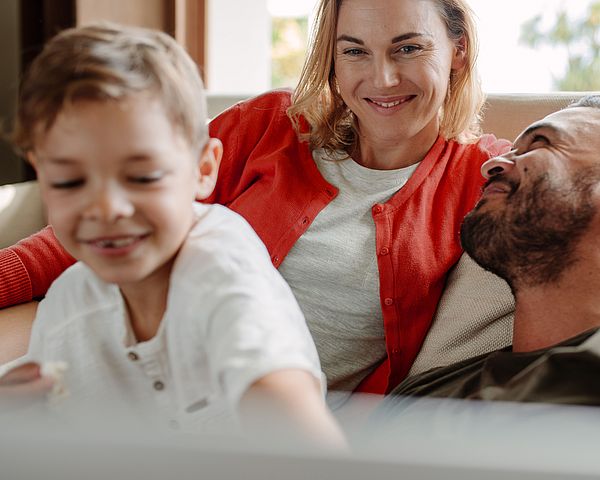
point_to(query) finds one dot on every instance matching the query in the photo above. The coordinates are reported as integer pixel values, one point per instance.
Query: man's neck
(550, 314)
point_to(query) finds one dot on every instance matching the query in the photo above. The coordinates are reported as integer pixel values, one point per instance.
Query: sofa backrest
(505, 115)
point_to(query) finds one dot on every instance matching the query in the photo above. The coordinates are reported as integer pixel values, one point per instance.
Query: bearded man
(537, 227)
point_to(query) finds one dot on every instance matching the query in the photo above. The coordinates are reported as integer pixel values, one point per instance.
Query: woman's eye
(66, 184)
(408, 49)
(353, 52)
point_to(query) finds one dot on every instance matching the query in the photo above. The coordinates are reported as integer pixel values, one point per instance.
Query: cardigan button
(304, 220)
(378, 209)
(275, 259)
(384, 251)
(389, 301)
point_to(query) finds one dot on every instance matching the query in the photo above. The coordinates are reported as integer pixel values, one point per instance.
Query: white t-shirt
(230, 319)
(332, 270)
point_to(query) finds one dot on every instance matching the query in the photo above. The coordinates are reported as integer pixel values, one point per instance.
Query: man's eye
(67, 184)
(537, 140)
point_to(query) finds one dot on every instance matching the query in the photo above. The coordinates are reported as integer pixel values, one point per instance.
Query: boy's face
(119, 182)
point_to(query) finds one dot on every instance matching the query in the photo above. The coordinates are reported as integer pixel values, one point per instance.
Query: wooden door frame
(188, 22)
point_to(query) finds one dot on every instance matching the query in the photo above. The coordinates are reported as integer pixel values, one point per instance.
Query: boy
(170, 299)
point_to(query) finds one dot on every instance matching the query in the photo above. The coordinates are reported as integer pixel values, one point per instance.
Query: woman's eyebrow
(399, 38)
(348, 38)
(408, 36)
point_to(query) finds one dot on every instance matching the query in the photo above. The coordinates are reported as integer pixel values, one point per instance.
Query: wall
(238, 45)
(11, 167)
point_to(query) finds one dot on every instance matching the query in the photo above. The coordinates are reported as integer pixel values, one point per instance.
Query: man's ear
(208, 168)
(459, 60)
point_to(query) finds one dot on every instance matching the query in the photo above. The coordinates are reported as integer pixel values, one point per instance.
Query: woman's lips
(389, 103)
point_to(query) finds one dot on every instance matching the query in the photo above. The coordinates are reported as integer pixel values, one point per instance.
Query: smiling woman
(382, 75)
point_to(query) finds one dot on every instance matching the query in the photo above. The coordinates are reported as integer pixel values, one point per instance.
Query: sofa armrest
(21, 212)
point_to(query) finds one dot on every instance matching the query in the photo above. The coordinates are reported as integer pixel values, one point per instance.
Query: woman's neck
(391, 155)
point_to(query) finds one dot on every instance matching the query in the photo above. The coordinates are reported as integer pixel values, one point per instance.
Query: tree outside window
(578, 37)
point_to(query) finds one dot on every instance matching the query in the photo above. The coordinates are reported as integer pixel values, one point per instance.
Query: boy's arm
(289, 404)
(29, 267)
(15, 329)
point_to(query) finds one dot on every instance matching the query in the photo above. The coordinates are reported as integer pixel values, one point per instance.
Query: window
(262, 45)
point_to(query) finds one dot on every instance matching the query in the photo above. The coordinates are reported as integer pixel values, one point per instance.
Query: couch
(505, 115)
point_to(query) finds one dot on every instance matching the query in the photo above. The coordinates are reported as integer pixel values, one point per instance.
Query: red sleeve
(28, 268)
(252, 132)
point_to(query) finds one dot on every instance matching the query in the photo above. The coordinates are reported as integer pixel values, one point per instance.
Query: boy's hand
(24, 384)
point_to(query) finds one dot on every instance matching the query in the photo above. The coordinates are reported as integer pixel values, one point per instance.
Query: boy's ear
(31, 158)
(208, 168)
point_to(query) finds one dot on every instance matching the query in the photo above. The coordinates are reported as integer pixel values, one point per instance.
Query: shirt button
(174, 424)
(389, 301)
(377, 209)
(133, 356)
(158, 385)
(384, 251)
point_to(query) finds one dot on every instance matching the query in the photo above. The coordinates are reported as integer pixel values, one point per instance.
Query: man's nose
(496, 166)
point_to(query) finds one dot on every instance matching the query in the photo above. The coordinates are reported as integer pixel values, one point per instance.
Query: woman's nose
(496, 166)
(386, 74)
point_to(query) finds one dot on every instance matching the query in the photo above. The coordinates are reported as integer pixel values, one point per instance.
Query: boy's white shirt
(230, 319)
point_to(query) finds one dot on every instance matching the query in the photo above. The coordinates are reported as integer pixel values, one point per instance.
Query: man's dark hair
(587, 101)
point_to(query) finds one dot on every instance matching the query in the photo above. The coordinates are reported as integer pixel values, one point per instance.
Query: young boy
(172, 301)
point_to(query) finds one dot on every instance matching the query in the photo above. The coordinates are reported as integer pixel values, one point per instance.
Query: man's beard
(531, 240)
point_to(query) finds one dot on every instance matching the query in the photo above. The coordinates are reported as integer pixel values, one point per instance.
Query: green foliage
(289, 37)
(580, 39)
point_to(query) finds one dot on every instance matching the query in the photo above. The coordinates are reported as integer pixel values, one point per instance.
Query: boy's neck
(146, 303)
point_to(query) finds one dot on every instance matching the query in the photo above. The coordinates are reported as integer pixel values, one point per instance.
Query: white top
(230, 319)
(341, 300)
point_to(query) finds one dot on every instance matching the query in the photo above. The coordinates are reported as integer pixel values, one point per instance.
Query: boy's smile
(119, 181)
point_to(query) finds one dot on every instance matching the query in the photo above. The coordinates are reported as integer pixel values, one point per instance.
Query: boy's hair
(106, 61)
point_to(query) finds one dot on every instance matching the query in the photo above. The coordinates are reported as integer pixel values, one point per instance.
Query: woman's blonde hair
(107, 61)
(331, 124)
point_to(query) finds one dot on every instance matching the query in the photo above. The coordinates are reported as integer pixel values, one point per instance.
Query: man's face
(539, 200)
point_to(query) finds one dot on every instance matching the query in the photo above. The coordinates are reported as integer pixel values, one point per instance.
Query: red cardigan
(270, 178)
